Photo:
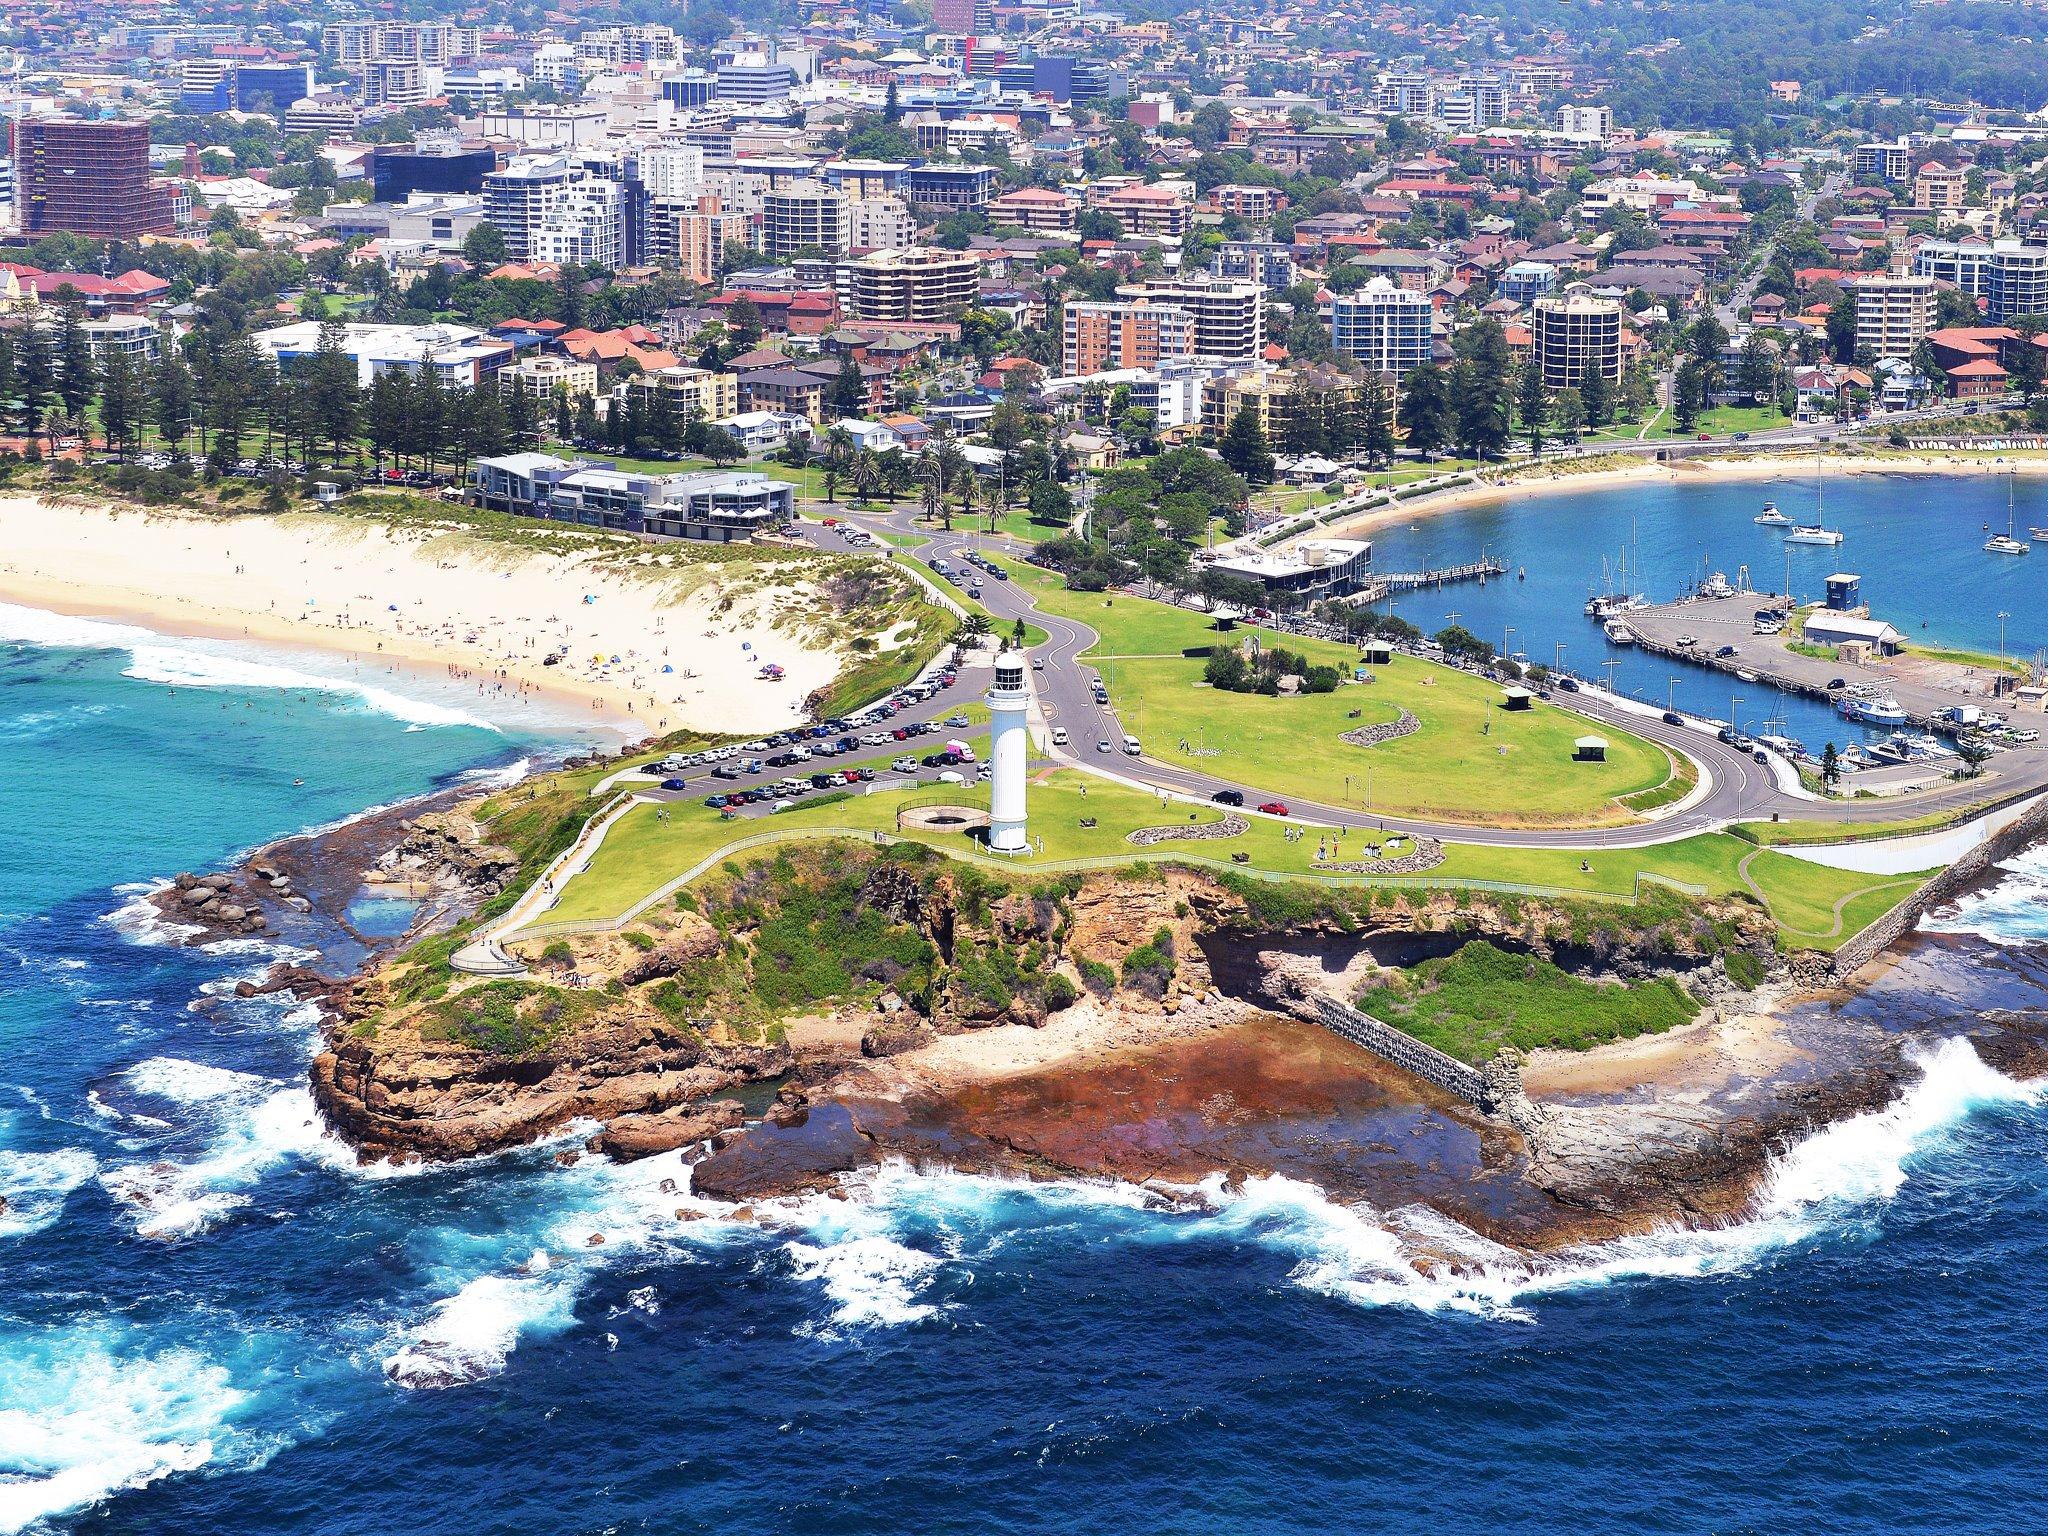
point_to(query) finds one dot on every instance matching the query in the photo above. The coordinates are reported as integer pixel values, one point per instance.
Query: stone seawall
(1404, 1051)
(1895, 924)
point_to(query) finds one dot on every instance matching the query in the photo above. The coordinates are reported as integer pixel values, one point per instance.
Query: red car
(1273, 808)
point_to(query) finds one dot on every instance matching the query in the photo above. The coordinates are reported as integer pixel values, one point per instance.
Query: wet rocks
(632, 1137)
(447, 851)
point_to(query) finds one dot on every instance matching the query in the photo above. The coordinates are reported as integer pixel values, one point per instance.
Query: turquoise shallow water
(209, 1315)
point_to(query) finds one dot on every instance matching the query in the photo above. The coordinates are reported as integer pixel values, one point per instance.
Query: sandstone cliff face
(399, 1095)
(639, 1031)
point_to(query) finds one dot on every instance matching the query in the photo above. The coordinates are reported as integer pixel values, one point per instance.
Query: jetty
(1377, 588)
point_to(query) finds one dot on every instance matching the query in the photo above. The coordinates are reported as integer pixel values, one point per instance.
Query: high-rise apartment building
(1098, 337)
(2010, 276)
(805, 216)
(584, 224)
(918, 285)
(1383, 326)
(1575, 331)
(87, 179)
(1893, 314)
(1229, 317)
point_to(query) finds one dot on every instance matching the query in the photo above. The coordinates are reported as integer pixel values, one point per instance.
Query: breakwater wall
(1404, 1051)
(2025, 829)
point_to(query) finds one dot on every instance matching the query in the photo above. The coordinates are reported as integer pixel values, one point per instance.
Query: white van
(1059, 735)
(1131, 747)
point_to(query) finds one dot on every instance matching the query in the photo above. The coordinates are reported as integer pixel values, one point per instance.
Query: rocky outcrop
(629, 1138)
(396, 1093)
(691, 940)
(446, 851)
(221, 904)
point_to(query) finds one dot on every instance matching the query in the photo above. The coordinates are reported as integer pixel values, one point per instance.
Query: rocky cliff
(648, 1032)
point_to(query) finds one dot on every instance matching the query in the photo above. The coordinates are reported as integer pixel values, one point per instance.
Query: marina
(1926, 573)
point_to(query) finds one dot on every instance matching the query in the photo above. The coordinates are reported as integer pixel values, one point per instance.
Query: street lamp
(2002, 617)
(1671, 695)
(1507, 634)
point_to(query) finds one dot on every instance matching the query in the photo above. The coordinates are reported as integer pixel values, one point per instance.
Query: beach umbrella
(666, 667)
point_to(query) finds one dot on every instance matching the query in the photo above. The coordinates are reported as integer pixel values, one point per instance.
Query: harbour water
(1917, 542)
(213, 1320)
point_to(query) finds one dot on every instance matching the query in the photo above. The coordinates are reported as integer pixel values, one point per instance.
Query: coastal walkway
(485, 954)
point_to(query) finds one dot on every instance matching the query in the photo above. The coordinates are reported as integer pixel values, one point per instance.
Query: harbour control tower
(1009, 754)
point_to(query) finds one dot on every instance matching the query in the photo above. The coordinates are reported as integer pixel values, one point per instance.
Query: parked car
(673, 784)
(1228, 797)
(1837, 682)
(905, 765)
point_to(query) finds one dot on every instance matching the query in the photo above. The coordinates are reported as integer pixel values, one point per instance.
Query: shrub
(640, 941)
(1097, 977)
(1060, 992)
(558, 953)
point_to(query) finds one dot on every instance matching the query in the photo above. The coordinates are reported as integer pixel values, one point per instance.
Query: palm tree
(932, 491)
(965, 488)
(839, 454)
(866, 475)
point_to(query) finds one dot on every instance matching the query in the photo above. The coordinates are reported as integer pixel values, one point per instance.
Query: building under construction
(86, 178)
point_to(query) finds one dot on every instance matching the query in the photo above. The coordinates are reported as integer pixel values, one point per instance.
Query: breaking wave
(2013, 911)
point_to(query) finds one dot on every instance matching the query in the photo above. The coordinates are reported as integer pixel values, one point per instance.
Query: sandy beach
(648, 638)
(1562, 478)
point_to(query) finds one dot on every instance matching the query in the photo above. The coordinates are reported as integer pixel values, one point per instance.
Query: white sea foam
(155, 658)
(1837, 1175)
(79, 1422)
(40, 724)
(191, 667)
(140, 920)
(255, 1125)
(2012, 911)
(502, 777)
(35, 1185)
(473, 1333)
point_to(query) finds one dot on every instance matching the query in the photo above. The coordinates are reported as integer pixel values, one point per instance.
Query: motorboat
(1878, 711)
(1618, 633)
(1813, 533)
(1771, 517)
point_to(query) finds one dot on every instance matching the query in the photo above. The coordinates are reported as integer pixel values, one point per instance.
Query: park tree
(1688, 395)
(1480, 391)
(1841, 328)
(1596, 395)
(1376, 419)
(172, 399)
(1532, 405)
(1568, 414)
(1244, 447)
(1425, 409)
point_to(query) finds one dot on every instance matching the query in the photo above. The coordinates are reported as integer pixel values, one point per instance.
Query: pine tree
(1532, 405)
(1425, 410)
(121, 404)
(35, 376)
(1376, 420)
(1244, 447)
(1596, 394)
(77, 378)
(336, 400)
(1480, 391)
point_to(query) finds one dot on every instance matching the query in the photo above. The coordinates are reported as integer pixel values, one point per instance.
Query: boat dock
(1375, 588)
(1695, 628)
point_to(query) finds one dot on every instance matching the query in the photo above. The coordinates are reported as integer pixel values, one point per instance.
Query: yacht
(2004, 543)
(1813, 533)
(1771, 517)
(1879, 711)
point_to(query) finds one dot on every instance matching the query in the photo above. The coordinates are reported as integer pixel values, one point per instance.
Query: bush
(558, 953)
(1095, 976)
(1060, 993)
(640, 941)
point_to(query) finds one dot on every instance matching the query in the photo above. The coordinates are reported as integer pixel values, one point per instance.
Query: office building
(1384, 327)
(918, 285)
(87, 179)
(1097, 337)
(1893, 314)
(442, 167)
(1575, 331)
(753, 80)
(463, 356)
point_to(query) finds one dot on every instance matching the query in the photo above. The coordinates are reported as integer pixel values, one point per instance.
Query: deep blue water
(1917, 541)
(203, 1297)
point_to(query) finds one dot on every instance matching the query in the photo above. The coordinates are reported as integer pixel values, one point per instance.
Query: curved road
(1737, 788)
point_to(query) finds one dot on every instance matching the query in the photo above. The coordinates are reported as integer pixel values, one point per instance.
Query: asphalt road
(1738, 787)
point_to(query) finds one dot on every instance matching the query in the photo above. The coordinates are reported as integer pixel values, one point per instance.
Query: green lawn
(1453, 768)
(643, 853)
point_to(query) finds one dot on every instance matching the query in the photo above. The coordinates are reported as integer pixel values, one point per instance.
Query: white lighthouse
(1009, 754)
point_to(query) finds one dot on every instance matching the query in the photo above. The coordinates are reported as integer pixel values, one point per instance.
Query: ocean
(214, 1321)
